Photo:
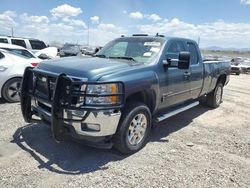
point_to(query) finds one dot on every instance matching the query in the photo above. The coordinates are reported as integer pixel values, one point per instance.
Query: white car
(12, 67)
(19, 50)
(32, 44)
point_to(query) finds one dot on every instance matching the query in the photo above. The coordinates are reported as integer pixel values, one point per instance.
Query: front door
(173, 81)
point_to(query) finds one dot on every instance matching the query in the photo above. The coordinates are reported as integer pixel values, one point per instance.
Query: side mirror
(184, 60)
(43, 56)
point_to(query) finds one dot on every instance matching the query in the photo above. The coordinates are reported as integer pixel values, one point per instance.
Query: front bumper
(56, 109)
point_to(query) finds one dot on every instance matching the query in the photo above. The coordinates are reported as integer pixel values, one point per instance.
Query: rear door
(196, 70)
(173, 82)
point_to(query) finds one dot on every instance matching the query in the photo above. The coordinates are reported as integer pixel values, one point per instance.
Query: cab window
(194, 56)
(37, 45)
(3, 40)
(18, 42)
(173, 51)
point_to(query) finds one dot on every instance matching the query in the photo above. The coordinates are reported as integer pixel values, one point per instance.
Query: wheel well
(146, 97)
(222, 79)
(7, 81)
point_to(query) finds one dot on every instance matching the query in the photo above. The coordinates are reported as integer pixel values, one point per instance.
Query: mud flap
(57, 124)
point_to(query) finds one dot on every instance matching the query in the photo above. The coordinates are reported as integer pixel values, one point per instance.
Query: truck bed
(212, 71)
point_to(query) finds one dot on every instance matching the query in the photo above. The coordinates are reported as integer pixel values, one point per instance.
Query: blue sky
(224, 23)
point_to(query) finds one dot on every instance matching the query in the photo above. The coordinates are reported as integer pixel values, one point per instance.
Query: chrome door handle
(187, 74)
(3, 68)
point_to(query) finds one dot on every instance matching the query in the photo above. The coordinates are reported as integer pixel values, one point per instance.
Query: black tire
(214, 98)
(131, 112)
(11, 90)
(237, 73)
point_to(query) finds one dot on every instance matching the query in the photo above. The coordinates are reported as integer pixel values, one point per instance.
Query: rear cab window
(3, 40)
(18, 42)
(37, 44)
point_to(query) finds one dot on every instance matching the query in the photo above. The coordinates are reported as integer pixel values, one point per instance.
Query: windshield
(21, 52)
(70, 47)
(143, 50)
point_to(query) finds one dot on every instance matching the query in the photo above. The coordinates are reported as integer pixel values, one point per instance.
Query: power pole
(12, 32)
(88, 34)
(199, 41)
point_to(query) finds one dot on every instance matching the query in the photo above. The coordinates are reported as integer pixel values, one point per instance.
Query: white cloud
(34, 19)
(154, 17)
(7, 21)
(218, 33)
(109, 27)
(65, 11)
(10, 13)
(74, 22)
(245, 2)
(136, 15)
(95, 19)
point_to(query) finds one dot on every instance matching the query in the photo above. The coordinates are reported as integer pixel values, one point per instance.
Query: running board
(177, 111)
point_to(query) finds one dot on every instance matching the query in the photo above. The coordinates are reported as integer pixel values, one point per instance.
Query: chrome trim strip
(165, 116)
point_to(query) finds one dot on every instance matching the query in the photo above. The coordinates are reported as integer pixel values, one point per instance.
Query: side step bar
(177, 111)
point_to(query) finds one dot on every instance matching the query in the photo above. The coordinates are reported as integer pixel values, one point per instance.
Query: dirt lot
(198, 148)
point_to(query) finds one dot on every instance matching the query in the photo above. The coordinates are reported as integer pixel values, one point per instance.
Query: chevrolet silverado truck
(113, 98)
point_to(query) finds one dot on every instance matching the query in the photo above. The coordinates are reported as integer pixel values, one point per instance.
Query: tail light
(34, 64)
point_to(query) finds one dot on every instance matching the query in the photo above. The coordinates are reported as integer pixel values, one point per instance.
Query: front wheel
(133, 129)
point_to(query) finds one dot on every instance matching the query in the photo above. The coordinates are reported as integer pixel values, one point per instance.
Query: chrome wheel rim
(218, 95)
(14, 91)
(137, 129)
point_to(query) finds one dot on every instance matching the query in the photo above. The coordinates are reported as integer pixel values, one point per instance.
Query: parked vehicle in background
(235, 69)
(236, 60)
(239, 64)
(245, 66)
(32, 44)
(112, 99)
(89, 50)
(47, 53)
(12, 66)
(70, 50)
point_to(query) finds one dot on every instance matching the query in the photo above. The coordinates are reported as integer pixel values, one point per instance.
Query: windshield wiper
(100, 55)
(123, 57)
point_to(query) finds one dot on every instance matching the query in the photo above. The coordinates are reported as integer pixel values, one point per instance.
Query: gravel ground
(197, 148)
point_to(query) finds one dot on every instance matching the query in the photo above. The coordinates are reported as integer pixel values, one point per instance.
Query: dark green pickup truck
(113, 98)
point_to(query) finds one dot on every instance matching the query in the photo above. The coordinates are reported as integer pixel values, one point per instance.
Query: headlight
(103, 89)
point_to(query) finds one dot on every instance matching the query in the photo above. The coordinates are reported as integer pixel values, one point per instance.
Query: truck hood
(91, 68)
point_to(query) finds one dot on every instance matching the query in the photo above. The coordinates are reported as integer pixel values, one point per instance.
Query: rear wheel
(134, 128)
(214, 98)
(11, 90)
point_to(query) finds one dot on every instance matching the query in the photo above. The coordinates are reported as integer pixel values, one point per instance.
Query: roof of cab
(158, 37)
